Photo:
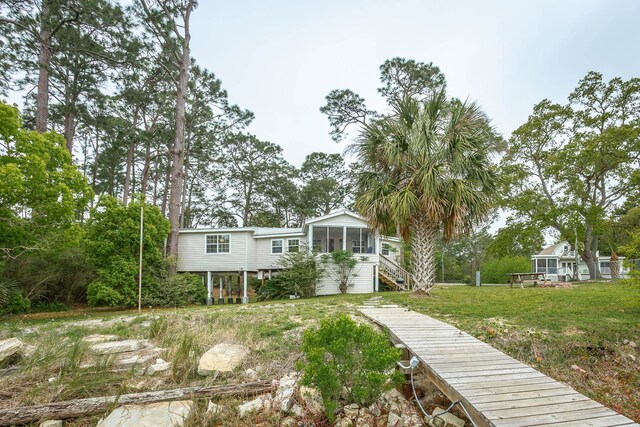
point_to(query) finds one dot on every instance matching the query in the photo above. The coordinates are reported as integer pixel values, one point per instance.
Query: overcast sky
(280, 59)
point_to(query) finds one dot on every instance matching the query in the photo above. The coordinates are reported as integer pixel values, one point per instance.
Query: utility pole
(140, 260)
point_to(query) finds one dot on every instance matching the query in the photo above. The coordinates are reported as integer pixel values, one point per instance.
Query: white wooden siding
(192, 256)
(265, 260)
(340, 221)
(363, 283)
(395, 245)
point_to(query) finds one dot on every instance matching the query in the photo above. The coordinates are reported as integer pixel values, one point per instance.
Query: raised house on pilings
(227, 257)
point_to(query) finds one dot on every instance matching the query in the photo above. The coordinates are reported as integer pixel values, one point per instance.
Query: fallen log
(93, 405)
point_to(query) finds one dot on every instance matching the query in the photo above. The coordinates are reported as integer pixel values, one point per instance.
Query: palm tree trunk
(423, 239)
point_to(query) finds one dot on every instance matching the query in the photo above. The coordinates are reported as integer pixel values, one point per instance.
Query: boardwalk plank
(496, 389)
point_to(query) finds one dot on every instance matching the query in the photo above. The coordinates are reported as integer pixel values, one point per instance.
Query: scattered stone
(394, 420)
(632, 344)
(285, 391)
(162, 414)
(99, 338)
(352, 411)
(312, 400)
(223, 357)
(52, 379)
(625, 342)
(250, 374)
(288, 422)
(443, 419)
(9, 348)
(117, 346)
(27, 350)
(51, 423)
(578, 368)
(251, 407)
(344, 422)
(297, 410)
(374, 410)
(159, 366)
(212, 408)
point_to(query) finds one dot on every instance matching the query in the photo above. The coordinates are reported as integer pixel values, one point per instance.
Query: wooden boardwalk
(496, 389)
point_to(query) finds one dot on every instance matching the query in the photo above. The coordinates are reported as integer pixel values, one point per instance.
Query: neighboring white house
(559, 262)
(230, 254)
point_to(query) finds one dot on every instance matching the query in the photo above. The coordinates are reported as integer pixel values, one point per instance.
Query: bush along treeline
(58, 251)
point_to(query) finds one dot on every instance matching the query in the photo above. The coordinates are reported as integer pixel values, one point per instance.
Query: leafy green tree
(516, 239)
(570, 165)
(41, 191)
(112, 246)
(341, 266)
(426, 166)
(498, 270)
(326, 184)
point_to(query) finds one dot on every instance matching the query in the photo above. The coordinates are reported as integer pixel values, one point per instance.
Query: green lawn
(550, 329)
(553, 330)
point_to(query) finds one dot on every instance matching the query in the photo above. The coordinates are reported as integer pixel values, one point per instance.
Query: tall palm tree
(426, 167)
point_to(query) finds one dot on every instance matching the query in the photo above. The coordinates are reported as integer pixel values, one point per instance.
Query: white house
(559, 262)
(230, 255)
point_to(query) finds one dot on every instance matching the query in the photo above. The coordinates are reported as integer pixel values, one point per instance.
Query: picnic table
(520, 278)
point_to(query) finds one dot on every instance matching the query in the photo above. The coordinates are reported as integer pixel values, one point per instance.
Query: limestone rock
(394, 420)
(114, 347)
(162, 414)
(352, 411)
(212, 408)
(9, 348)
(285, 391)
(251, 407)
(161, 366)
(297, 410)
(99, 338)
(344, 422)
(445, 419)
(312, 400)
(223, 357)
(27, 350)
(288, 422)
(250, 374)
(51, 423)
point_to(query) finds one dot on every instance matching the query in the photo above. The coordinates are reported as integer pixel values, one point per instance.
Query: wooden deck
(496, 389)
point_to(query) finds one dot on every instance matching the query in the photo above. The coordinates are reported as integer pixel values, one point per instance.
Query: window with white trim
(217, 244)
(386, 249)
(293, 245)
(277, 246)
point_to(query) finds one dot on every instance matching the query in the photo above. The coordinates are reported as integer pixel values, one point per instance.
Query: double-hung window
(293, 245)
(386, 249)
(217, 244)
(276, 246)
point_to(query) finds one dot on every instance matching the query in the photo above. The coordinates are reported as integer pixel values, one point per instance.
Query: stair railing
(401, 276)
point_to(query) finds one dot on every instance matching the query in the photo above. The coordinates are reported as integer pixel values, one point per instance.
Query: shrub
(299, 276)
(48, 307)
(112, 246)
(15, 304)
(179, 290)
(498, 270)
(341, 354)
(341, 266)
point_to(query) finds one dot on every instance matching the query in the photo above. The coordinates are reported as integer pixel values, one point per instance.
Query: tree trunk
(590, 253)
(94, 405)
(44, 61)
(146, 169)
(177, 151)
(614, 266)
(165, 188)
(132, 146)
(423, 242)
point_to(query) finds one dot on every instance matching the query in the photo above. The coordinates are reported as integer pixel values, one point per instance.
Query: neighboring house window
(545, 265)
(386, 249)
(605, 267)
(293, 245)
(276, 246)
(217, 244)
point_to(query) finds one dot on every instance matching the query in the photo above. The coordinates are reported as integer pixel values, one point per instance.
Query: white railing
(401, 276)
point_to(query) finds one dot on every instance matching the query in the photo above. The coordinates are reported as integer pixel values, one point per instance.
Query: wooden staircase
(393, 275)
